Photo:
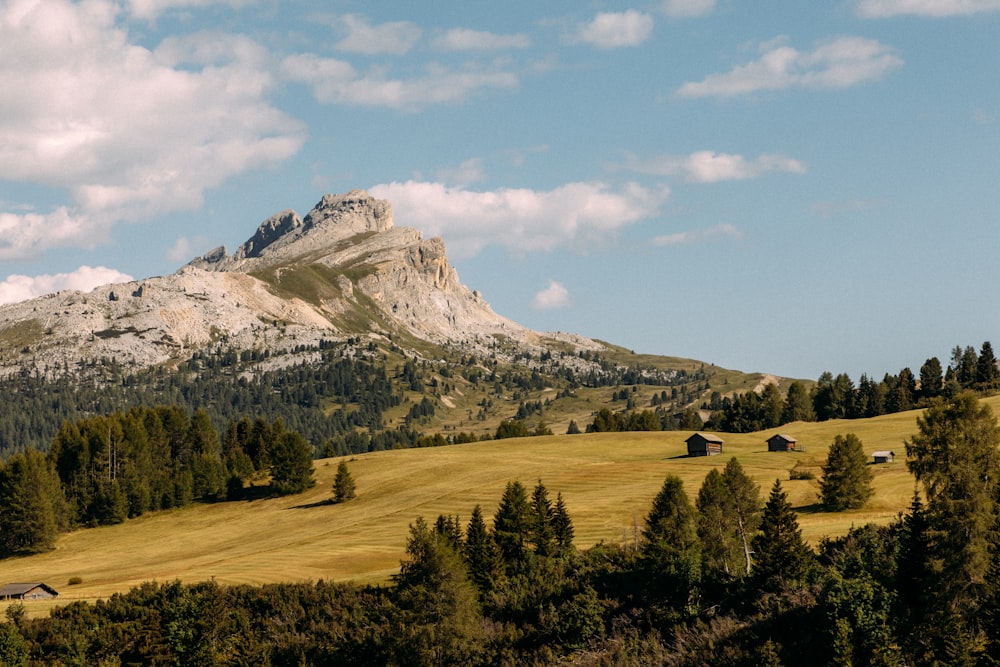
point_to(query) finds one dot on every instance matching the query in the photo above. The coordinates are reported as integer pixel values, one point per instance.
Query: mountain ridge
(342, 270)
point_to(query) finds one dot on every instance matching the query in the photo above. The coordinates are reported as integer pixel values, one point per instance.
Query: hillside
(341, 283)
(608, 481)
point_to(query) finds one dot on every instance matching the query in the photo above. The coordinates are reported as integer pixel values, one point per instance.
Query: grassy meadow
(608, 481)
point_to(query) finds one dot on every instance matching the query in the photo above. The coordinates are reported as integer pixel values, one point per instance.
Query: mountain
(343, 270)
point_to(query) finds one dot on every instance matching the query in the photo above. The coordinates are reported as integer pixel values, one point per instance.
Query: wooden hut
(883, 456)
(704, 444)
(32, 591)
(781, 443)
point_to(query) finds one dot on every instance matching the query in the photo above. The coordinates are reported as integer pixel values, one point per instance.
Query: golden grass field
(607, 480)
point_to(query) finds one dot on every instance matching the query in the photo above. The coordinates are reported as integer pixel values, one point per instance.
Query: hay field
(608, 482)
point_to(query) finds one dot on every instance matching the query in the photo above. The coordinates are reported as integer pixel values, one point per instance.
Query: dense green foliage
(847, 480)
(343, 484)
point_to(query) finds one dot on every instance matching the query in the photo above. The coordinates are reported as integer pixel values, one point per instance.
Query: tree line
(838, 397)
(103, 470)
(725, 579)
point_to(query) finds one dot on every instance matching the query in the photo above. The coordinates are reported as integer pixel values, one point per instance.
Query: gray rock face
(342, 270)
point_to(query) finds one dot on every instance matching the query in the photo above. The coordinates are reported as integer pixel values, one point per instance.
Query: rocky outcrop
(342, 270)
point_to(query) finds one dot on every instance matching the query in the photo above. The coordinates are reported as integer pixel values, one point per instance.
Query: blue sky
(785, 187)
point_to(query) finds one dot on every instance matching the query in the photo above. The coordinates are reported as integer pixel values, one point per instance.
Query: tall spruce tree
(954, 457)
(562, 527)
(670, 550)
(847, 479)
(481, 554)
(32, 507)
(728, 506)
(511, 525)
(782, 557)
(540, 522)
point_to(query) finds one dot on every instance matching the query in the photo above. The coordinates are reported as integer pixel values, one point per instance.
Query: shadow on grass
(319, 503)
(814, 508)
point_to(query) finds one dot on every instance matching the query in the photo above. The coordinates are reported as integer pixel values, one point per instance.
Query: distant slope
(608, 481)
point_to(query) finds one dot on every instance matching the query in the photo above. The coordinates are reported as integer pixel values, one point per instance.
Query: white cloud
(127, 132)
(723, 230)
(396, 37)
(613, 30)
(148, 10)
(712, 167)
(464, 39)
(469, 172)
(837, 63)
(554, 296)
(337, 82)
(887, 8)
(521, 220)
(20, 288)
(685, 8)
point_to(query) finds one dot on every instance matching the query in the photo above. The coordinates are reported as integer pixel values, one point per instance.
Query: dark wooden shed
(31, 591)
(704, 444)
(781, 443)
(883, 456)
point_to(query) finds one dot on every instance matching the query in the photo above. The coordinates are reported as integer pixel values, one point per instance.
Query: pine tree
(954, 457)
(291, 464)
(511, 524)
(343, 484)
(670, 550)
(540, 523)
(562, 526)
(847, 479)
(781, 556)
(32, 507)
(744, 508)
(481, 554)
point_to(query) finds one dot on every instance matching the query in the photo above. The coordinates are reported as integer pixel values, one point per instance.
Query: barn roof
(782, 436)
(707, 437)
(12, 590)
(882, 453)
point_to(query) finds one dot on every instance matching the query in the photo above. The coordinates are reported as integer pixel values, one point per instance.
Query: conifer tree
(670, 549)
(728, 515)
(847, 479)
(540, 523)
(481, 554)
(954, 457)
(511, 525)
(781, 557)
(32, 507)
(562, 526)
(291, 464)
(343, 484)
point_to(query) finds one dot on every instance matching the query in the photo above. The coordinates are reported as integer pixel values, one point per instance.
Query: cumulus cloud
(712, 167)
(469, 172)
(614, 30)
(686, 8)
(396, 37)
(464, 39)
(887, 8)
(126, 132)
(521, 220)
(720, 231)
(337, 82)
(841, 62)
(554, 296)
(147, 10)
(20, 288)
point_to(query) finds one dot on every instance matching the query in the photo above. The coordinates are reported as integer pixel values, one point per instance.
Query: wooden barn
(781, 443)
(704, 444)
(883, 456)
(32, 591)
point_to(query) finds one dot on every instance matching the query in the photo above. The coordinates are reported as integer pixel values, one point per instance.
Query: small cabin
(32, 591)
(781, 443)
(883, 456)
(704, 444)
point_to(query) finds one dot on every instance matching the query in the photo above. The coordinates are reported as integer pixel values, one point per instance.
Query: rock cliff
(342, 270)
